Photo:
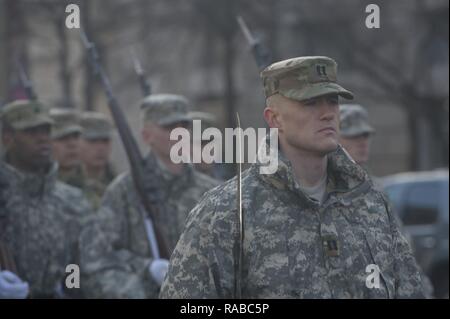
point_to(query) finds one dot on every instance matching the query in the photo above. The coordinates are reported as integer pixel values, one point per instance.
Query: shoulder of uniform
(66, 191)
(204, 216)
(379, 194)
(123, 180)
(205, 180)
(385, 201)
(222, 199)
(378, 202)
(249, 181)
(72, 197)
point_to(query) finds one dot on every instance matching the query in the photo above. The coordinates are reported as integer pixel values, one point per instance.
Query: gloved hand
(158, 270)
(12, 287)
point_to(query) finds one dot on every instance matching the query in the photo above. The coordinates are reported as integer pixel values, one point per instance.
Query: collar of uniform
(106, 178)
(283, 178)
(33, 185)
(74, 177)
(344, 172)
(344, 175)
(110, 173)
(167, 177)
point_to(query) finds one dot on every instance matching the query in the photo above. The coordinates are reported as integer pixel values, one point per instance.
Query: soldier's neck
(94, 171)
(308, 168)
(67, 169)
(173, 168)
(24, 166)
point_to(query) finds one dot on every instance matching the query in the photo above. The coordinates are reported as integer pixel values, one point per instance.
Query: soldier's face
(31, 148)
(158, 137)
(66, 150)
(358, 147)
(95, 152)
(309, 126)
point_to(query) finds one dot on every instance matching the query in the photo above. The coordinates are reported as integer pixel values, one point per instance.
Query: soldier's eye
(311, 102)
(333, 100)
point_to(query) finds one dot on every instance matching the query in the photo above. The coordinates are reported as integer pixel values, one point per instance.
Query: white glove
(12, 287)
(158, 270)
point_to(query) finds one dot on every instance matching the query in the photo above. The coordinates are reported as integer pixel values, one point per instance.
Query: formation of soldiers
(310, 230)
(82, 147)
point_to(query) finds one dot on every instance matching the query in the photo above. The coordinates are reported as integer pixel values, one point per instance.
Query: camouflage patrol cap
(67, 122)
(166, 109)
(96, 125)
(25, 114)
(354, 120)
(207, 119)
(303, 78)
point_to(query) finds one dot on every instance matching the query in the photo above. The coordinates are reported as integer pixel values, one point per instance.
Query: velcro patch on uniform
(331, 245)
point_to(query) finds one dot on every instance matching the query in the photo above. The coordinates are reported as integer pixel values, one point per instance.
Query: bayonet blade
(145, 85)
(238, 275)
(246, 31)
(26, 82)
(136, 63)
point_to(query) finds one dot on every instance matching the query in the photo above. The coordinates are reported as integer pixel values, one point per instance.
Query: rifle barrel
(6, 259)
(132, 150)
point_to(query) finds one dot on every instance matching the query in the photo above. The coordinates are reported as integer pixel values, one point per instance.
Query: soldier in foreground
(314, 229)
(116, 254)
(66, 134)
(43, 217)
(95, 153)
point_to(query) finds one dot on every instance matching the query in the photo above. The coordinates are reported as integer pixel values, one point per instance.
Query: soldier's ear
(271, 117)
(7, 137)
(147, 135)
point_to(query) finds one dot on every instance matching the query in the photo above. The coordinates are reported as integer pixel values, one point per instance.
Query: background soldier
(355, 132)
(43, 217)
(95, 154)
(66, 145)
(115, 249)
(11, 286)
(214, 170)
(355, 137)
(312, 228)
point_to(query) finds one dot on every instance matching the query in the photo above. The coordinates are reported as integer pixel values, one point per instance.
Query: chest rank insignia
(331, 246)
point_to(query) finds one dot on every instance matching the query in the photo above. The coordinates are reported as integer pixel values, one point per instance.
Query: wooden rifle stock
(6, 259)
